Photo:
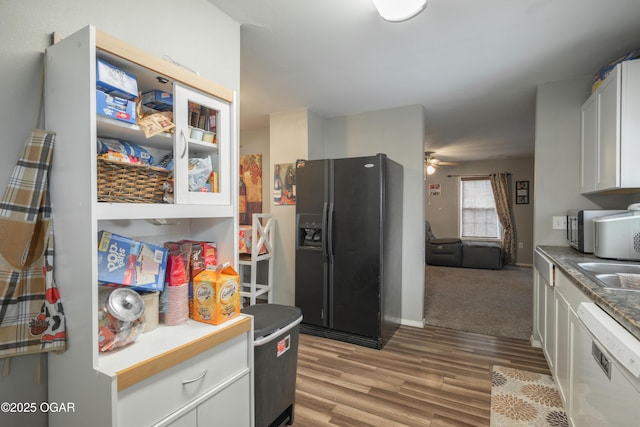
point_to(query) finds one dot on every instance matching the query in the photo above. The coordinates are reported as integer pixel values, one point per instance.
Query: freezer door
(311, 276)
(355, 240)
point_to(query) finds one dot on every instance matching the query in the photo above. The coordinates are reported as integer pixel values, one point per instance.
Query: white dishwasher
(605, 385)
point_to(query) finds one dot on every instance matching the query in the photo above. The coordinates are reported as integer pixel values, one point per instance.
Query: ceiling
(473, 64)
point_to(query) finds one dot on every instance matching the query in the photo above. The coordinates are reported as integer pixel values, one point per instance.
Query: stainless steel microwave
(580, 227)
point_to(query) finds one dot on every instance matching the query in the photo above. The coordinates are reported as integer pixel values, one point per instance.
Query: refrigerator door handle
(323, 232)
(330, 233)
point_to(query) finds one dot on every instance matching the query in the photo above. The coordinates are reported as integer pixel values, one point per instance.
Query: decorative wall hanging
(522, 192)
(250, 199)
(284, 184)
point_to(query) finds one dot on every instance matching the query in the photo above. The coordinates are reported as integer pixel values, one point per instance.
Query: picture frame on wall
(522, 192)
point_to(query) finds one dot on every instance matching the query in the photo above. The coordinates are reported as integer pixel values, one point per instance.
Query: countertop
(623, 306)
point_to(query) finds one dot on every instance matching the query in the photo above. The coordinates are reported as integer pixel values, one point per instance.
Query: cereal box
(129, 262)
(216, 295)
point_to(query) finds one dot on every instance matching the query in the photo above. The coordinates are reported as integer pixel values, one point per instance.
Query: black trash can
(275, 359)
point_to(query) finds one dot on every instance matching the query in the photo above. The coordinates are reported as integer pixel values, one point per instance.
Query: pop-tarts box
(129, 262)
(116, 108)
(158, 100)
(114, 81)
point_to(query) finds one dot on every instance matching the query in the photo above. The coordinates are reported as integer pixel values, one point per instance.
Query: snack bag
(216, 295)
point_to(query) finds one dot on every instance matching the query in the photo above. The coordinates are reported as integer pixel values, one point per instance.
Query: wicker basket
(120, 182)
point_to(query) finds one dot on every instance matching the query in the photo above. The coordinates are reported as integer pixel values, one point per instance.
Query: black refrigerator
(348, 275)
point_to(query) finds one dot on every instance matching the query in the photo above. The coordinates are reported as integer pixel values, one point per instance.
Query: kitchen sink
(603, 267)
(606, 273)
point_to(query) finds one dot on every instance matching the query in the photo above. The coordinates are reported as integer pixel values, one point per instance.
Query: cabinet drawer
(156, 397)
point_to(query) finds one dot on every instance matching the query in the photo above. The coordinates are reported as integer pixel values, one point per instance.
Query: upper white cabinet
(197, 114)
(173, 372)
(611, 132)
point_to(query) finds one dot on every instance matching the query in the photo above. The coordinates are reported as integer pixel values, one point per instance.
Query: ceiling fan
(431, 164)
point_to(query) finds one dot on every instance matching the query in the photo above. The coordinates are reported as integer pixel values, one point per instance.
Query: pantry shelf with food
(187, 155)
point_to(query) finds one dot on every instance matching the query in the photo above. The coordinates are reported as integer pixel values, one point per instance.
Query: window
(478, 217)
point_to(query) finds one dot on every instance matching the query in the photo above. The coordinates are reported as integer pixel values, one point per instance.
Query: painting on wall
(284, 184)
(250, 199)
(434, 189)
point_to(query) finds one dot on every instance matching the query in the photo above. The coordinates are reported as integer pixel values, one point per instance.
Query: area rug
(489, 302)
(525, 399)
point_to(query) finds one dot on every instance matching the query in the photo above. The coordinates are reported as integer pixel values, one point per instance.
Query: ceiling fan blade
(450, 164)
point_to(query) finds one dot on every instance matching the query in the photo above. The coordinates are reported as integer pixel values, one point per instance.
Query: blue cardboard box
(158, 100)
(115, 81)
(116, 108)
(129, 262)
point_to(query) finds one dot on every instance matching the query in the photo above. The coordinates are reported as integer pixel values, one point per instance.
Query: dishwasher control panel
(601, 359)
(615, 340)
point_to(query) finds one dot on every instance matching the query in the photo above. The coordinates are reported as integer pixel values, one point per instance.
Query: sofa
(454, 252)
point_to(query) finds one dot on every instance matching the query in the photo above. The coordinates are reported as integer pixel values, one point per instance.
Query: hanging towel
(31, 313)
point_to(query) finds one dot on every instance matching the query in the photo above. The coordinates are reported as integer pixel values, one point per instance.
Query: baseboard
(534, 342)
(518, 264)
(414, 323)
(320, 331)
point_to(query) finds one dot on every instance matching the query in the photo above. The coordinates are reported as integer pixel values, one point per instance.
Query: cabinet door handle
(193, 380)
(184, 141)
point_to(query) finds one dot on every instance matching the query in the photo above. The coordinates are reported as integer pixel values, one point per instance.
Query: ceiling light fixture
(430, 170)
(399, 10)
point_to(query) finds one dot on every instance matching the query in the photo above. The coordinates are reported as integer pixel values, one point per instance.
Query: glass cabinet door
(202, 163)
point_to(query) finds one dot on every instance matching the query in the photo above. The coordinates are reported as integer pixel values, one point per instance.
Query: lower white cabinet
(563, 345)
(227, 408)
(549, 344)
(216, 377)
(539, 304)
(545, 312)
(567, 299)
(189, 419)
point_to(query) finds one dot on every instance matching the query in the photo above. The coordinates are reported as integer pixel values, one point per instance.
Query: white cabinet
(568, 298)
(539, 307)
(610, 132)
(549, 344)
(563, 344)
(228, 408)
(197, 112)
(145, 379)
(589, 145)
(545, 305)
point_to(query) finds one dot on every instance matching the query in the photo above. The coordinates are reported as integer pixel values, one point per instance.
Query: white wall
(194, 33)
(398, 133)
(557, 159)
(289, 136)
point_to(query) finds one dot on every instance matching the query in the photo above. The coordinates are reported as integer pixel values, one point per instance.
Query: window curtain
(500, 187)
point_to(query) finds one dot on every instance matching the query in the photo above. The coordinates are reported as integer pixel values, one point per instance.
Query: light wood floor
(423, 377)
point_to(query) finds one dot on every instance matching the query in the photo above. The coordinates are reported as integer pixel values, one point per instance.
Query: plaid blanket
(31, 313)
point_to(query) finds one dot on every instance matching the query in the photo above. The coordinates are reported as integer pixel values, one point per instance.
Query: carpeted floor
(490, 302)
(525, 399)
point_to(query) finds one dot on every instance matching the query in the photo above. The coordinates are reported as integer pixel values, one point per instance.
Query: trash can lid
(268, 318)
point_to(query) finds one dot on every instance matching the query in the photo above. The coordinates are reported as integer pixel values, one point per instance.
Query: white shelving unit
(262, 230)
(173, 374)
